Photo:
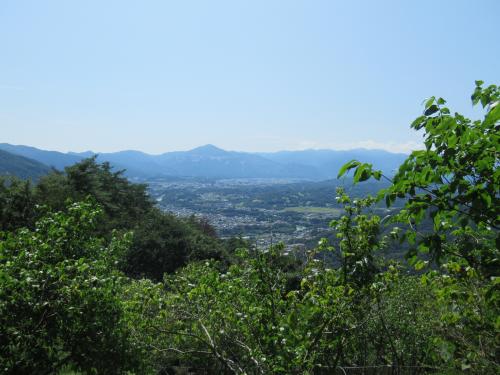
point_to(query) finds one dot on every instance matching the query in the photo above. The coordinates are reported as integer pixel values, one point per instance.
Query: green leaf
(362, 173)
(465, 366)
(431, 110)
(419, 122)
(348, 166)
(420, 264)
(365, 175)
(493, 115)
(487, 199)
(429, 102)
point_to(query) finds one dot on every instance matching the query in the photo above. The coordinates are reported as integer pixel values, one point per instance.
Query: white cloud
(398, 147)
(272, 143)
(403, 147)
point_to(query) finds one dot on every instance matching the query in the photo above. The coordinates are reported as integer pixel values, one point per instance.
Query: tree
(60, 297)
(162, 243)
(453, 185)
(124, 204)
(17, 204)
(454, 182)
(160, 246)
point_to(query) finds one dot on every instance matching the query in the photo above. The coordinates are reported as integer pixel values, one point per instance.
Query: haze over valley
(287, 196)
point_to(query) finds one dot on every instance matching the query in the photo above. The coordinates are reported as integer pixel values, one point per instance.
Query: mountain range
(20, 166)
(212, 162)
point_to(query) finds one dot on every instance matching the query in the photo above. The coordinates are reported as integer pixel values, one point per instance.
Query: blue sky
(251, 75)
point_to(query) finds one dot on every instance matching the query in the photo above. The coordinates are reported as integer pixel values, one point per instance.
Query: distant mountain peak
(208, 148)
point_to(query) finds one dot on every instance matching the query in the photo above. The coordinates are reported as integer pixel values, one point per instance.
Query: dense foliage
(65, 304)
(60, 297)
(162, 243)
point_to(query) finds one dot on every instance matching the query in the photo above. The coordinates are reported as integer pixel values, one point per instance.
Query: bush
(60, 297)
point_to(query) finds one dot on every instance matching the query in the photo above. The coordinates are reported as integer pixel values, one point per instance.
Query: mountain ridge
(20, 166)
(214, 162)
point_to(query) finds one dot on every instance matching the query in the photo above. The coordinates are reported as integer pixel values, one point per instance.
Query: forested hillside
(15, 165)
(54, 159)
(95, 280)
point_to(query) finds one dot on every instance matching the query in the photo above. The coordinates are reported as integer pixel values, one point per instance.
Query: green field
(314, 210)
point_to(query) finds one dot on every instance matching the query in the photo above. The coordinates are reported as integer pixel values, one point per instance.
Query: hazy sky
(244, 75)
